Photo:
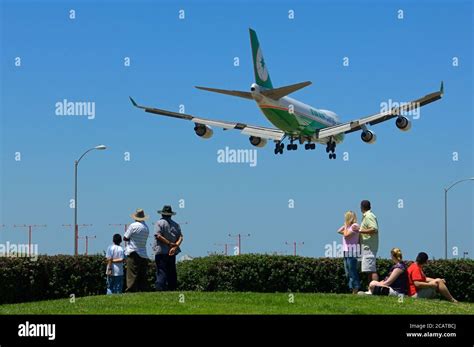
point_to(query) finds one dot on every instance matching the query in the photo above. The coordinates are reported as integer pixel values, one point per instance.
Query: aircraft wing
(357, 124)
(246, 129)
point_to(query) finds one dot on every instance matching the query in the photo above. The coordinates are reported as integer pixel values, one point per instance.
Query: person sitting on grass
(421, 286)
(350, 244)
(114, 270)
(396, 283)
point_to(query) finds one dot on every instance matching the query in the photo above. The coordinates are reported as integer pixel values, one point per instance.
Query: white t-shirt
(115, 252)
(137, 233)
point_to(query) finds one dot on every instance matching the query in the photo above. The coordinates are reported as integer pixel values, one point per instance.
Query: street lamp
(446, 213)
(76, 163)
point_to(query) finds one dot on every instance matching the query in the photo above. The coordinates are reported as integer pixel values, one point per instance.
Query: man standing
(168, 238)
(135, 250)
(369, 232)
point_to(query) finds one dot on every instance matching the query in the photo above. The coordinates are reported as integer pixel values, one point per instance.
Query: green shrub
(53, 277)
(265, 273)
(50, 277)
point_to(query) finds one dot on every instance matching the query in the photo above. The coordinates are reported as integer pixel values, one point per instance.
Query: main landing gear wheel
(279, 148)
(291, 146)
(331, 148)
(310, 146)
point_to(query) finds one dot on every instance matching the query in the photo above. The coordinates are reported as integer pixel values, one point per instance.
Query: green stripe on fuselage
(291, 123)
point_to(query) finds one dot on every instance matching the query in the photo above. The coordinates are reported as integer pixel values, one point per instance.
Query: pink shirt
(350, 243)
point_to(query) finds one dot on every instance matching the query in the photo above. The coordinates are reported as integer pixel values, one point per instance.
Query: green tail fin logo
(262, 77)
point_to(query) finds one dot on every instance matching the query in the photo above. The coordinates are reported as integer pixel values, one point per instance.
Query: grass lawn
(238, 303)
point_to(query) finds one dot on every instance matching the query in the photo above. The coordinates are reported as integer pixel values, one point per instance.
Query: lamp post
(446, 213)
(76, 163)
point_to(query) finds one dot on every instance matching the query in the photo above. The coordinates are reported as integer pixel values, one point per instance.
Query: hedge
(53, 277)
(265, 273)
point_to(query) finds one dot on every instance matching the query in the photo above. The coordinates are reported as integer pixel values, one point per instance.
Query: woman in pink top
(350, 246)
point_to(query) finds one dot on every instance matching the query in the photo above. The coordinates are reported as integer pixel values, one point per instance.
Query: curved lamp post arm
(464, 180)
(99, 147)
(446, 213)
(82, 156)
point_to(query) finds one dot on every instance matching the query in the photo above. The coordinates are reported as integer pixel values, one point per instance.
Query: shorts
(368, 262)
(425, 293)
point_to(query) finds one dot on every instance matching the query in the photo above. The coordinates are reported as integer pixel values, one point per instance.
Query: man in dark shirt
(168, 238)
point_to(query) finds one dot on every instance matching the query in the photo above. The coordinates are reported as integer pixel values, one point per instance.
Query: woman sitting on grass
(396, 283)
(350, 243)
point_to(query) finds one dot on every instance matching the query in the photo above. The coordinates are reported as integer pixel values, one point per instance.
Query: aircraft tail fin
(262, 77)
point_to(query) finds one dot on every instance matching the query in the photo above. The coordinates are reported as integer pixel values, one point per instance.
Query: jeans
(350, 267)
(114, 284)
(166, 278)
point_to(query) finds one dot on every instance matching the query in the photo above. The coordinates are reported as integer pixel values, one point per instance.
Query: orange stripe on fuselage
(275, 107)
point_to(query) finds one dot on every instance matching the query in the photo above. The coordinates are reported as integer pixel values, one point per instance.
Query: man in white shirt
(135, 250)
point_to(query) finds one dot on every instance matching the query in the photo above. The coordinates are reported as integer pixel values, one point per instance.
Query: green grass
(238, 303)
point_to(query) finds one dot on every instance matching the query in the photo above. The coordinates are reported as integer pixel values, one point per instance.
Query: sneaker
(364, 293)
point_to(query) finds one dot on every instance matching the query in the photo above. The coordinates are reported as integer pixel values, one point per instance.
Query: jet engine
(368, 136)
(203, 131)
(403, 123)
(257, 141)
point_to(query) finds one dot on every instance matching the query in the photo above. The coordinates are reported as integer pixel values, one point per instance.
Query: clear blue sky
(82, 60)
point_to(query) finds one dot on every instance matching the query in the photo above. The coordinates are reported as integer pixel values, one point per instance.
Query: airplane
(294, 120)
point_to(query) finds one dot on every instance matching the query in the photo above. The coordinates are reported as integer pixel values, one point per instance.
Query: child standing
(114, 269)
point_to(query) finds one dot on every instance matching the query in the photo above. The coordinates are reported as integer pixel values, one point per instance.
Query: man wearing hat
(168, 238)
(135, 250)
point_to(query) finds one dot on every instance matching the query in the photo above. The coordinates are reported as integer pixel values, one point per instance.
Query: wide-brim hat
(139, 215)
(166, 211)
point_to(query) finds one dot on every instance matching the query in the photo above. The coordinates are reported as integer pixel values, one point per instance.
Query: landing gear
(279, 148)
(291, 146)
(331, 148)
